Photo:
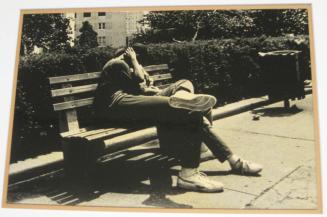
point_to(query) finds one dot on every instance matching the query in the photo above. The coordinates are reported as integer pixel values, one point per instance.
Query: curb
(51, 166)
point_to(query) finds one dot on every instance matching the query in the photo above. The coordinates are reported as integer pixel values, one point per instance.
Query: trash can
(283, 75)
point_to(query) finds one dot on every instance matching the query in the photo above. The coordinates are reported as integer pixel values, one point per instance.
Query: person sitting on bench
(121, 99)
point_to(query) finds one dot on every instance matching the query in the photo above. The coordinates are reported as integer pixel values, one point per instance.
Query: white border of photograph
(9, 22)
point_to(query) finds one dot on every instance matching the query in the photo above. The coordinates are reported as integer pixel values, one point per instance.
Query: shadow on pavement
(142, 171)
(277, 111)
(226, 173)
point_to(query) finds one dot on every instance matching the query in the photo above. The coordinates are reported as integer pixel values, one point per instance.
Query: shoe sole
(193, 187)
(201, 102)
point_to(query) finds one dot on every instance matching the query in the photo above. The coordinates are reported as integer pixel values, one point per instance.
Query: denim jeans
(180, 131)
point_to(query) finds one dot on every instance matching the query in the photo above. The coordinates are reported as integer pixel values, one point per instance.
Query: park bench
(83, 140)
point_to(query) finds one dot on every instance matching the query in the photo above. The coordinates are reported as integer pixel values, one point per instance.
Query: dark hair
(119, 52)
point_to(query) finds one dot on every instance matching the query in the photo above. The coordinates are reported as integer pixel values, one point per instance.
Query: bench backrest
(73, 92)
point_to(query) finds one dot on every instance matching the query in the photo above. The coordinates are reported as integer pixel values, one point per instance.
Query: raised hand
(130, 53)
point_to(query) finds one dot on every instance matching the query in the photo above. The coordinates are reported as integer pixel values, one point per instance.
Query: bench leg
(286, 103)
(79, 160)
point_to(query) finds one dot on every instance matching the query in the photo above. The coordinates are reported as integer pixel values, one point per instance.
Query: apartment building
(113, 28)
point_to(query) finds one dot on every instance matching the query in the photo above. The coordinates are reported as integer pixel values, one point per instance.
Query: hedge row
(228, 69)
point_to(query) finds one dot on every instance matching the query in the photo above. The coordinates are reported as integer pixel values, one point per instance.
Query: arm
(141, 75)
(147, 85)
(138, 71)
(152, 90)
(148, 80)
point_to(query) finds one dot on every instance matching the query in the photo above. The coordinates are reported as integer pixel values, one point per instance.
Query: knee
(187, 84)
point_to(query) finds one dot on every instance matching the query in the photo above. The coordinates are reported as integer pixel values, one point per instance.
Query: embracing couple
(125, 96)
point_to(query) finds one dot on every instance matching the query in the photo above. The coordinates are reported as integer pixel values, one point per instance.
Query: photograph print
(198, 109)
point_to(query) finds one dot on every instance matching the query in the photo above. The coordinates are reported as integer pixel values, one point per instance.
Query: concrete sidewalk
(283, 141)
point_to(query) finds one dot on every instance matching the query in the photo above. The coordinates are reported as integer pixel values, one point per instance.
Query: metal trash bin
(283, 75)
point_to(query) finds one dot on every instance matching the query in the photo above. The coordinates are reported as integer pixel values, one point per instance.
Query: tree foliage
(280, 22)
(88, 37)
(47, 31)
(191, 25)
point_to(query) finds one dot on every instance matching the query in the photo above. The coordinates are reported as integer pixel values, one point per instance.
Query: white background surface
(9, 19)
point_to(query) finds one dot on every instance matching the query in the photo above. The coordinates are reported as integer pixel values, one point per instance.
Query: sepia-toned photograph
(188, 109)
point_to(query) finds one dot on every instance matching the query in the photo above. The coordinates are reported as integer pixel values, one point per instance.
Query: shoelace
(241, 165)
(201, 175)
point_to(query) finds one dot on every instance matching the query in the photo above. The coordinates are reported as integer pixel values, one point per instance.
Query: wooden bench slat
(68, 134)
(95, 75)
(131, 139)
(88, 101)
(98, 131)
(76, 77)
(106, 133)
(161, 77)
(73, 90)
(92, 87)
(86, 88)
(151, 68)
(73, 104)
(89, 131)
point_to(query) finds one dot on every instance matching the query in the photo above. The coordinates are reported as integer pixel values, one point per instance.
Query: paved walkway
(283, 141)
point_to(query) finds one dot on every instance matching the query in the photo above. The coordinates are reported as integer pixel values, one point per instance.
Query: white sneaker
(199, 181)
(244, 167)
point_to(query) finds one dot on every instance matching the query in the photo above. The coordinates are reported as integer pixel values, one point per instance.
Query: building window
(102, 25)
(87, 14)
(102, 40)
(100, 14)
(108, 26)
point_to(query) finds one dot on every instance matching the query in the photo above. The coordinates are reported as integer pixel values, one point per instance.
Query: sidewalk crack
(248, 205)
(267, 134)
(242, 192)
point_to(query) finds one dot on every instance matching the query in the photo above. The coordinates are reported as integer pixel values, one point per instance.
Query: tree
(296, 21)
(280, 22)
(190, 25)
(47, 31)
(88, 37)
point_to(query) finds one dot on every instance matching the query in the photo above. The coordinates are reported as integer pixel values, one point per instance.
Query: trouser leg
(179, 85)
(191, 149)
(184, 144)
(168, 135)
(155, 110)
(150, 110)
(208, 116)
(216, 145)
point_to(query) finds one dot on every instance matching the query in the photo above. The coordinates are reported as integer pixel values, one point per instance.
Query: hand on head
(130, 53)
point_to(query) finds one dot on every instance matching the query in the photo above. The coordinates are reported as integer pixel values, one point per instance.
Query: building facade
(113, 28)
